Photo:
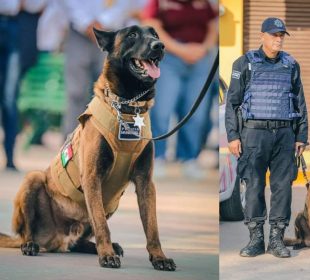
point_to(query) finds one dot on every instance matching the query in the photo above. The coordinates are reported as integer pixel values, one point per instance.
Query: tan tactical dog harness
(66, 174)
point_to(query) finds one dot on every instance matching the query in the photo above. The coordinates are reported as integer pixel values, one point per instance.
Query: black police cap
(273, 25)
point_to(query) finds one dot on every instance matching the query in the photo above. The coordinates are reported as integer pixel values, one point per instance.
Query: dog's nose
(157, 45)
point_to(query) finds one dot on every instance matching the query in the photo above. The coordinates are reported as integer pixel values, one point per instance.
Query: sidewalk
(235, 235)
(187, 215)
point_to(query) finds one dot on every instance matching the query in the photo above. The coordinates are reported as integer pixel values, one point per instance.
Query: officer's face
(273, 42)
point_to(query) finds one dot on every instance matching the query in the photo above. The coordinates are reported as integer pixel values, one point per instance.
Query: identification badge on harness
(66, 154)
(129, 132)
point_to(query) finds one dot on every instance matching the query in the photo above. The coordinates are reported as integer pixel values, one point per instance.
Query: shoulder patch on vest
(236, 74)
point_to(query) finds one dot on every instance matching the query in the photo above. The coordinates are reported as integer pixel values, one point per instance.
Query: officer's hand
(190, 52)
(235, 147)
(300, 147)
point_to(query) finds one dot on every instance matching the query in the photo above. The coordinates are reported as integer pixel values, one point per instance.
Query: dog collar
(139, 121)
(121, 101)
(117, 103)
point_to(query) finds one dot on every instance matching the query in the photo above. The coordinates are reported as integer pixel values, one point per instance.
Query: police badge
(278, 23)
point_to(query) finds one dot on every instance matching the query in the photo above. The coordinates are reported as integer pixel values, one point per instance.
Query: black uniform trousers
(263, 149)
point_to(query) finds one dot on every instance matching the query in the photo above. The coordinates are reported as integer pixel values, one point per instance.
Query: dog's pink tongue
(152, 69)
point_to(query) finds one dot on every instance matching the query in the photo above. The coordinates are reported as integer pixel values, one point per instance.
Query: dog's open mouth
(146, 67)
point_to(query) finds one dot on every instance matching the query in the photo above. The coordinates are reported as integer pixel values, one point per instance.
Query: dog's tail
(23, 208)
(7, 241)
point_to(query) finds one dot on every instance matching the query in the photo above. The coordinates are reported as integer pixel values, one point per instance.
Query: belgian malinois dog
(51, 216)
(302, 228)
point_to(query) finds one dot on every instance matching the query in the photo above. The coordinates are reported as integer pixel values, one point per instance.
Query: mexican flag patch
(66, 154)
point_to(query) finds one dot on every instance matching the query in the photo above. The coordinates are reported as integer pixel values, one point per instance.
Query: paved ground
(188, 224)
(234, 236)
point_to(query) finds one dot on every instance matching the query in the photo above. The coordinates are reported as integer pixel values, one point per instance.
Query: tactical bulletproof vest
(268, 95)
(65, 168)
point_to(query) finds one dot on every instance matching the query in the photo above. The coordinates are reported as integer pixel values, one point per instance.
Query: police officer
(267, 125)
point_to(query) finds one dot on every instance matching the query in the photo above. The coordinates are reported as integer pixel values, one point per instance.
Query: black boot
(276, 245)
(256, 246)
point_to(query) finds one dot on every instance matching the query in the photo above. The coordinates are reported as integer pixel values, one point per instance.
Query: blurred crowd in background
(49, 61)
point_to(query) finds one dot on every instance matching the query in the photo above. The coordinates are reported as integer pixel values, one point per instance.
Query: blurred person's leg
(79, 52)
(9, 80)
(211, 102)
(28, 24)
(168, 90)
(190, 136)
(9, 111)
(208, 156)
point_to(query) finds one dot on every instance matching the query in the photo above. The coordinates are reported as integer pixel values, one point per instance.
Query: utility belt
(267, 124)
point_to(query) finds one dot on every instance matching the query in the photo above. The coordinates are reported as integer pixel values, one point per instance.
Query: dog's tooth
(137, 62)
(141, 65)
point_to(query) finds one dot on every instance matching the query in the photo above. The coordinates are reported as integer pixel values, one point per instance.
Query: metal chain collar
(117, 105)
(125, 102)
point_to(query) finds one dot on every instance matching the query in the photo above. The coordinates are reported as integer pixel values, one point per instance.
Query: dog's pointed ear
(105, 39)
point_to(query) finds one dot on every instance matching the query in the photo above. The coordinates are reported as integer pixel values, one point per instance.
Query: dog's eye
(132, 35)
(156, 35)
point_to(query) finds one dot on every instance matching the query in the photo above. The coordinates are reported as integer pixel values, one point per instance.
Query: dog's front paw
(110, 261)
(163, 264)
(30, 248)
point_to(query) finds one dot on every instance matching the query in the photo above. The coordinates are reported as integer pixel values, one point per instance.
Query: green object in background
(42, 95)
(43, 85)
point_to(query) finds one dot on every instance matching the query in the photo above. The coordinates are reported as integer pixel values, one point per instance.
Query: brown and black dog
(302, 228)
(48, 215)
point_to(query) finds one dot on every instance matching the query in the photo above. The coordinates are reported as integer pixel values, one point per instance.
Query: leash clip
(117, 107)
(137, 110)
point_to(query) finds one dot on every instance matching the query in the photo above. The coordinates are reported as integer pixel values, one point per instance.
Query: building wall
(231, 35)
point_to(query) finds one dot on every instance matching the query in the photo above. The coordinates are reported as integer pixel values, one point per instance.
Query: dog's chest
(117, 181)
(66, 174)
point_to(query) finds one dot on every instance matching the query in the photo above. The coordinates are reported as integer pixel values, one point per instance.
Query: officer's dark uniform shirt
(241, 75)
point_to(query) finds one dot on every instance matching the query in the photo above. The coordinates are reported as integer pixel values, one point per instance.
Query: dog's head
(133, 57)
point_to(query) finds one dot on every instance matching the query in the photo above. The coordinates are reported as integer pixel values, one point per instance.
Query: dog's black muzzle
(157, 46)
(157, 50)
